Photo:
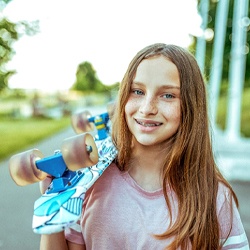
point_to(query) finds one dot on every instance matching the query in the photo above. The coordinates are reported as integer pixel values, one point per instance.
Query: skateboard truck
(100, 122)
(55, 165)
(63, 166)
(57, 168)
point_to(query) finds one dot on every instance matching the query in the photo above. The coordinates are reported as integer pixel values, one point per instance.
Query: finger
(45, 184)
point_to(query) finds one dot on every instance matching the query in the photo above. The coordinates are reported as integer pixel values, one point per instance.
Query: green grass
(17, 134)
(245, 113)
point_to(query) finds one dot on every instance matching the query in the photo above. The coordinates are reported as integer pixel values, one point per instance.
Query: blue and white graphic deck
(53, 212)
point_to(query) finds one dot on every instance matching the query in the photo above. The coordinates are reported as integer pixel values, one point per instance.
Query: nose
(148, 106)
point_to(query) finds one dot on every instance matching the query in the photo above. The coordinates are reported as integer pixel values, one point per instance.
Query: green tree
(8, 34)
(86, 79)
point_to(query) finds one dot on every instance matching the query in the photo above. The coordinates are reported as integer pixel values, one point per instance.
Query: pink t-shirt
(119, 214)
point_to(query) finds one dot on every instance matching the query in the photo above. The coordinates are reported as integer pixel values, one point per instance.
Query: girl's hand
(45, 184)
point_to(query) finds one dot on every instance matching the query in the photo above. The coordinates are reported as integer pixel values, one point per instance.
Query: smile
(148, 124)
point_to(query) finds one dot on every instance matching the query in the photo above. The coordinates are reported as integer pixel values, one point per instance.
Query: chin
(146, 143)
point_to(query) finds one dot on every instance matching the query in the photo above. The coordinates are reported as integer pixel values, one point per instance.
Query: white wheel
(23, 168)
(80, 122)
(79, 151)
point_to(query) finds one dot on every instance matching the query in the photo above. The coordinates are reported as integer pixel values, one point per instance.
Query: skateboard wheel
(79, 151)
(80, 122)
(23, 168)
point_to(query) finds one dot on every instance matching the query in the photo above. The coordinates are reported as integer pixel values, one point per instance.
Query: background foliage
(228, 40)
(87, 80)
(9, 33)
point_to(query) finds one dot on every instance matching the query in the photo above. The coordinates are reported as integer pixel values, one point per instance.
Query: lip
(147, 125)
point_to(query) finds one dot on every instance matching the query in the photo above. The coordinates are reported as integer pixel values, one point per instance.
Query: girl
(164, 191)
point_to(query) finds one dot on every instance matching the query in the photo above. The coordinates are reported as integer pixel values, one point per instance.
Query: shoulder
(224, 194)
(112, 172)
(227, 210)
(225, 202)
(109, 177)
(231, 228)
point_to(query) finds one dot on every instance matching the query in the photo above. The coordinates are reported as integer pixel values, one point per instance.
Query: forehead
(157, 70)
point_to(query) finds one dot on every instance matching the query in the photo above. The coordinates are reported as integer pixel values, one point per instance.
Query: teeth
(149, 124)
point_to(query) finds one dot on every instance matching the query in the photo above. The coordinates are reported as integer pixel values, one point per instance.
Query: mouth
(148, 123)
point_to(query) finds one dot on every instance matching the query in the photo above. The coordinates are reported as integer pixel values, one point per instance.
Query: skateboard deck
(73, 170)
(53, 212)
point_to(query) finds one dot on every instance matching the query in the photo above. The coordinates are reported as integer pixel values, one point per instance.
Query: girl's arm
(74, 246)
(53, 242)
(58, 242)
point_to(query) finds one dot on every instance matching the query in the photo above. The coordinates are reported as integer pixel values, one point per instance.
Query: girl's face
(153, 109)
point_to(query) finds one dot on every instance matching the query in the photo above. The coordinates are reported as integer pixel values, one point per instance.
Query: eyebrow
(167, 86)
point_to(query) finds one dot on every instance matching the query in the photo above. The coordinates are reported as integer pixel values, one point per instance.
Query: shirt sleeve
(232, 233)
(74, 234)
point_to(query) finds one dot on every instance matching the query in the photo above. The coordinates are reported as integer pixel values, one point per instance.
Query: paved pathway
(17, 202)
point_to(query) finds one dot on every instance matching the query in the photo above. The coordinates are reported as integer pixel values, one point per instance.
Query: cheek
(130, 107)
(129, 110)
(173, 113)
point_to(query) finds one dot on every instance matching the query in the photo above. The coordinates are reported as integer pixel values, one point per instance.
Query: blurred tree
(3, 4)
(9, 33)
(86, 79)
(228, 40)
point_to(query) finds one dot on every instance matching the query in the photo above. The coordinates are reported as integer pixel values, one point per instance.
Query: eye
(137, 91)
(168, 96)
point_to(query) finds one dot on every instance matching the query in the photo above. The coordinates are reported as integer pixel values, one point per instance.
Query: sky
(106, 33)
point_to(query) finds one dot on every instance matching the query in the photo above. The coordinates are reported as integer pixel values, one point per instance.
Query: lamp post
(217, 58)
(201, 41)
(237, 69)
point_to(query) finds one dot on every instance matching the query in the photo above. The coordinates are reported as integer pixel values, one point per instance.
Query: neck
(146, 165)
(153, 156)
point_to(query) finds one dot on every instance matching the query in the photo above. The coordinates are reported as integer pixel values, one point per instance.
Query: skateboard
(73, 170)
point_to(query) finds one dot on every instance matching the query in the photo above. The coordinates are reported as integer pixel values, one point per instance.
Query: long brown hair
(190, 169)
